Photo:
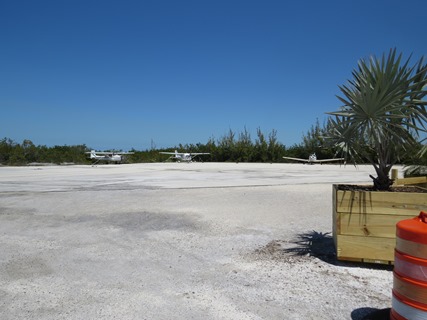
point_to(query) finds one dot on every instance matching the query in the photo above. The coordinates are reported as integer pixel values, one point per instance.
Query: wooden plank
(378, 261)
(369, 225)
(367, 248)
(410, 181)
(365, 222)
(349, 259)
(335, 220)
(400, 203)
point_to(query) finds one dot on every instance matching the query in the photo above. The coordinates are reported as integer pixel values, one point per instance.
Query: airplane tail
(92, 154)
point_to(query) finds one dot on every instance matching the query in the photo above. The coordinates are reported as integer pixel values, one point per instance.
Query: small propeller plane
(116, 157)
(186, 157)
(312, 159)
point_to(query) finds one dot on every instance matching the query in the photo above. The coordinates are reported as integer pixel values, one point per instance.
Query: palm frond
(383, 111)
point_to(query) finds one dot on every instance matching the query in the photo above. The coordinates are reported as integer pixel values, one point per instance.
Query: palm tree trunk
(382, 182)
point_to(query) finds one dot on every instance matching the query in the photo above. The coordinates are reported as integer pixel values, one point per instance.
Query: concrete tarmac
(179, 241)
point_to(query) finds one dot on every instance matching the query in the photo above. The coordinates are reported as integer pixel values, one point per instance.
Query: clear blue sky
(123, 74)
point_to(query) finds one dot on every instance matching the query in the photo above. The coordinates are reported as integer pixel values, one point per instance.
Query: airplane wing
(98, 152)
(329, 160)
(181, 153)
(296, 159)
(109, 153)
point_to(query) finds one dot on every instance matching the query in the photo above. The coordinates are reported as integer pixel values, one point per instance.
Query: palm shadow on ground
(315, 244)
(321, 245)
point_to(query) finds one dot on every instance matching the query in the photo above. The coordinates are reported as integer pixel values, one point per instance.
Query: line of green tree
(12, 153)
(231, 147)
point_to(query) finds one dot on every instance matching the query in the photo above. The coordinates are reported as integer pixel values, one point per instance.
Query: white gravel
(179, 241)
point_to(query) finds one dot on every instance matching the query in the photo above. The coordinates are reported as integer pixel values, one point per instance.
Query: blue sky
(129, 74)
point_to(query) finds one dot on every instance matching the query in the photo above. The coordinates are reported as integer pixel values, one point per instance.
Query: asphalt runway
(179, 241)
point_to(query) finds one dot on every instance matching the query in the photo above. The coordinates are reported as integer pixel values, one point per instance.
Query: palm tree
(383, 115)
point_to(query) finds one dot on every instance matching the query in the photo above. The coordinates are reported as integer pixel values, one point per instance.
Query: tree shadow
(315, 244)
(321, 245)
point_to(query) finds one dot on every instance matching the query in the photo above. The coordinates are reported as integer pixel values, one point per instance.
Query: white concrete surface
(179, 241)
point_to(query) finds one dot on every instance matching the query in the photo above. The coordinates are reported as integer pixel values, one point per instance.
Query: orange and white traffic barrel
(409, 301)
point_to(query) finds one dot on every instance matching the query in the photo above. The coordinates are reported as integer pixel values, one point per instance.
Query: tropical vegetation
(232, 147)
(383, 117)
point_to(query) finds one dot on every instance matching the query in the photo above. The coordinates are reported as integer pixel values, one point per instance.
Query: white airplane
(116, 157)
(312, 159)
(187, 157)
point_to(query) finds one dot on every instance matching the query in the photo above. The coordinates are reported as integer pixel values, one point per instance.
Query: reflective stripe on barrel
(410, 270)
(399, 308)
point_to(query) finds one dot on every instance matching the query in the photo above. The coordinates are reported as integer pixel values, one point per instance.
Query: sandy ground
(179, 241)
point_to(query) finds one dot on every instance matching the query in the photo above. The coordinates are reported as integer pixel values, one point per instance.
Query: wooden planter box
(364, 222)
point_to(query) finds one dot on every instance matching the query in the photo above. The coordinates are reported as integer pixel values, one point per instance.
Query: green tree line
(12, 153)
(231, 147)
